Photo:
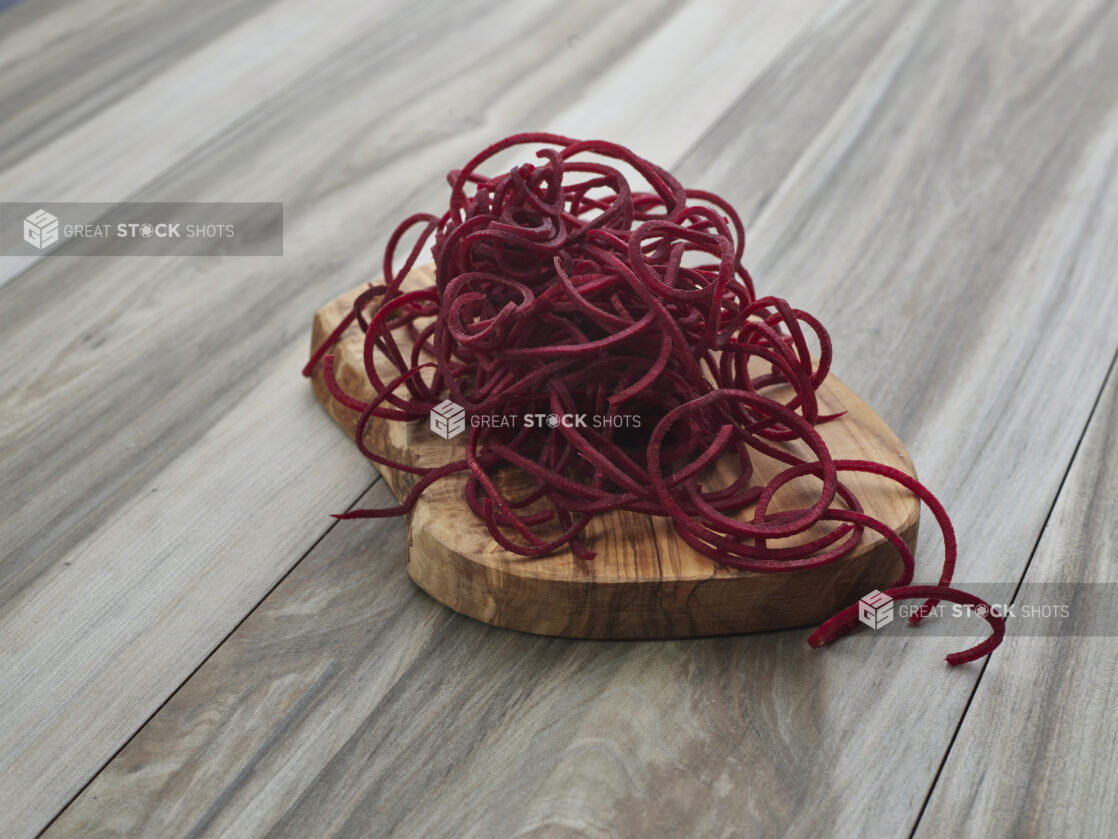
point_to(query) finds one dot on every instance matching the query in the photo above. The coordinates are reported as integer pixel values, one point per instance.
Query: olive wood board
(644, 582)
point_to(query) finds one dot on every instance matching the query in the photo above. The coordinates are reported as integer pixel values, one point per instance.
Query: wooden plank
(103, 626)
(262, 684)
(62, 63)
(1035, 753)
(686, 73)
(139, 364)
(152, 113)
(864, 149)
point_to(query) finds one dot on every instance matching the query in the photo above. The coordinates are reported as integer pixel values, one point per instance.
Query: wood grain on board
(936, 182)
(644, 582)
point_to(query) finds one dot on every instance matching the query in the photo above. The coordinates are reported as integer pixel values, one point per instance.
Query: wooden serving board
(644, 581)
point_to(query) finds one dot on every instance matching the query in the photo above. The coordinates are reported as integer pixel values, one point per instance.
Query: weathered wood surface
(1035, 752)
(101, 99)
(644, 581)
(937, 182)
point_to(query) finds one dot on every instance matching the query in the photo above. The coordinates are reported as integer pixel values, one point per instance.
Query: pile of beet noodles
(559, 289)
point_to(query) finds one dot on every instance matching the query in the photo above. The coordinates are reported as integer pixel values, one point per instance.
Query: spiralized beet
(560, 290)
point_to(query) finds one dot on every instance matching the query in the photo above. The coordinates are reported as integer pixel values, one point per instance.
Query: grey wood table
(189, 645)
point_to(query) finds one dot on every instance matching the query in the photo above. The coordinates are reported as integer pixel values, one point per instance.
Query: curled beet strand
(847, 619)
